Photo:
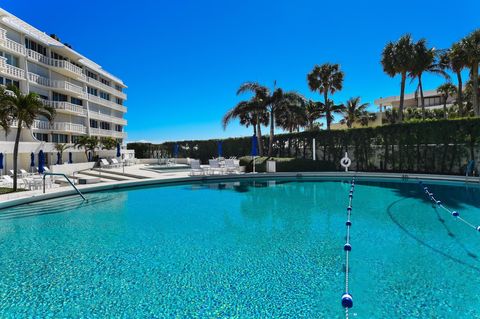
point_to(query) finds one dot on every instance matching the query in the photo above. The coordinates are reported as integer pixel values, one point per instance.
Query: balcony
(60, 127)
(110, 104)
(12, 46)
(61, 66)
(64, 86)
(109, 133)
(106, 88)
(107, 118)
(66, 107)
(11, 70)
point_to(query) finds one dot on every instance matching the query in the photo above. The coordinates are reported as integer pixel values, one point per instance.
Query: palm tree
(354, 111)
(250, 114)
(88, 143)
(326, 79)
(313, 111)
(59, 147)
(398, 58)
(454, 59)
(108, 143)
(446, 90)
(471, 47)
(270, 103)
(292, 115)
(21, 110)
(425, 60)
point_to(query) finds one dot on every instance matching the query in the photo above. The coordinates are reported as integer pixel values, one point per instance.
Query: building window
(43, 97)
(92, 91)
(75, 138)
(34, 46)
(57, 56)
(59, 97)
(119, 101)
(105, 126)
(91, 75)
(76, 101)
(118, 128)
(106, 82)
(432, 100)
(5, 81)
(41, 137)
(59, 138)
(93, 123)
(11, 60)
(104, 95)
(118, 88)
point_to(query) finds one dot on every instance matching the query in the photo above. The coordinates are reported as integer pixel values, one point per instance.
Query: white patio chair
(115, 162)
(232, 166)
(214, 167)
(104, 163)
(24, 173)
(195, 168)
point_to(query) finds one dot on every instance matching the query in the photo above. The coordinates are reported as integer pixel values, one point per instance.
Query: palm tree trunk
(15, 155)
(475, 89)
(402, 97)
(327, 109)
(259, 139)
(460, 93)
(422, 99)
(272, 128)
(445, 97)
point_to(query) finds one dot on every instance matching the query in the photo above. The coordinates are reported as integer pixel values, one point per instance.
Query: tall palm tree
(249, 113)
(454, 59)
(354, 111)
(446, 90)
(326, 79)
(471, 47)
(61, 148)
(313, 111)
(271, 103)
(22, 110)
(398, 58)
(425, 60)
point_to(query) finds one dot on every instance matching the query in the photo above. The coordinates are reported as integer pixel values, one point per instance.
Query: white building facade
(88, 100)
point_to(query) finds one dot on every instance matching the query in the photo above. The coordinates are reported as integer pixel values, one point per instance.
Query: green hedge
(286, 164)
(441, 146)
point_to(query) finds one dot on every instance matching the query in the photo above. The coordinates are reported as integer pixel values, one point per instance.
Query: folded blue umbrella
(59, 158)
(254, 151)
(118, 150)
(41, 162)
(70, 157)
(32, 159)
(219, 148)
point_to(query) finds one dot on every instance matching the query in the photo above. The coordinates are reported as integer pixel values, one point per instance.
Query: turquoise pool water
(264, 249)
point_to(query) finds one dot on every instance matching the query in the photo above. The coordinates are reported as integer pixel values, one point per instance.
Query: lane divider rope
(439, 203)
(347, 300)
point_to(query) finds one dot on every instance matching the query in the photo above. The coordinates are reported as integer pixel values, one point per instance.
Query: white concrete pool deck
(150, 177)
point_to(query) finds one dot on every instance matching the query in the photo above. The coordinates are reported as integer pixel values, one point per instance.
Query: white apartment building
(433, 100)
(88, 100)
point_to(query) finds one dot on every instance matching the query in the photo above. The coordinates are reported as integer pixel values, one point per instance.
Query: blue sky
(184, 60)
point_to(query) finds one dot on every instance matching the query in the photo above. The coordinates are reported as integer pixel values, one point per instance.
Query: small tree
(59, 147)
(446, 90)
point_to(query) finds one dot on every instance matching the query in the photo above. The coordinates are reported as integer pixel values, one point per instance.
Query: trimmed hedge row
(286, 164)
(442, 146)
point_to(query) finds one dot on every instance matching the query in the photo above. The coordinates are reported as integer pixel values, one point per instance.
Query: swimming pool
(248, 249)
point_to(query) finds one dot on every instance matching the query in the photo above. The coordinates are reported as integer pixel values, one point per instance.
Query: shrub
(286, 164)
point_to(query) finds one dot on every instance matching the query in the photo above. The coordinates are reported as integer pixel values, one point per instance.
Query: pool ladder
(68, 180)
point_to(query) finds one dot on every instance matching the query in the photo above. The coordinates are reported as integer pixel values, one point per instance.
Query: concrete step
(107, 175)
(124, 175)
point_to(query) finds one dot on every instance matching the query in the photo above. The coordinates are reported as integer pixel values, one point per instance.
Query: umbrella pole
(254, 164)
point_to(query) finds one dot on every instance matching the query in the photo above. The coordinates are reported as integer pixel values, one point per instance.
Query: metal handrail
(68, 180)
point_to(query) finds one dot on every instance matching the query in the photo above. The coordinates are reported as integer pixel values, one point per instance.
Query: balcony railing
(13, 46)
(108, 118)
(66, 106)
(64, 85)
(3, 63)
(113, 105)
(3, 35)
(14, 71)
(60, 64)
(106, 88)
(59, 126)
(102, 132)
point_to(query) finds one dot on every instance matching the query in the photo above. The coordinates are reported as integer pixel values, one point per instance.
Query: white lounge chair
(104, 163)
(9, 181)
(115, 162)
(24, 173)
(195, 168)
